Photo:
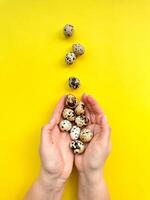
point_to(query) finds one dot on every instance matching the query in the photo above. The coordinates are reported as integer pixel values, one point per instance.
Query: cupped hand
(56, 156)
(99, 147)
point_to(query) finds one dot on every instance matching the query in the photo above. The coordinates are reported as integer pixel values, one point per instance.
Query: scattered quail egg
(78, 49)
(74, 82)
(70, 58)
(68, 30)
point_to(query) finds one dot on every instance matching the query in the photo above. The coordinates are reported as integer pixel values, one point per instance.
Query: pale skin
(57, 158)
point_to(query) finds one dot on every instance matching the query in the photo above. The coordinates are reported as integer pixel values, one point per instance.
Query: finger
(85, 100)
(46, 131)
(96, 111)
(58, 110)
(83, 97)
(105, 133)
(95, 108)
(88, 108)
(87, 114)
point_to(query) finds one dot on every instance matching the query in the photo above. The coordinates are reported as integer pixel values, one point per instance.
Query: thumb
(46, 131)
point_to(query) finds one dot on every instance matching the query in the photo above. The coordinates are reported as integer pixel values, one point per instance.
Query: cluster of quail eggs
(74, 122)
(74, 119)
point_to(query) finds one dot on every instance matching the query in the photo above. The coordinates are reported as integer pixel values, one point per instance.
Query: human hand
(92, 160)
(90, 163)
(56, 156)
(56, 160)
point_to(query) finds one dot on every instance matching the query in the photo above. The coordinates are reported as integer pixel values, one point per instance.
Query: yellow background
(33, 76)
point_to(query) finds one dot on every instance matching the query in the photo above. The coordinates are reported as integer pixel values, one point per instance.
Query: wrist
(92, 177)
(92, 186)
(50, 182)
(46, 187)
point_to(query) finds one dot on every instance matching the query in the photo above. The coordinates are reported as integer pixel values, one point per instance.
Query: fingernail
(52, 121)
(104, 119)
(84, 94)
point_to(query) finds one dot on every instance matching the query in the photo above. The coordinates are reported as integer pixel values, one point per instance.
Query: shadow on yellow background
(115, 70)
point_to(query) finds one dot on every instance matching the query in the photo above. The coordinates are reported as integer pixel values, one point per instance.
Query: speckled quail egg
(86, 135)
(74, 82)
(81, 120)
(71, 101)
(75, 133)
(78, 49)
(65, 125)
(69, 114)
(80, 109)
(68, 30)
(70, 58)
(77, 146)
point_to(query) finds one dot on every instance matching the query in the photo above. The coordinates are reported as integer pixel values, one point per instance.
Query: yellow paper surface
(115, 70)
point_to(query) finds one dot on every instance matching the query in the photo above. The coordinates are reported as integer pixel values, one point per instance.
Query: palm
(82, 161)
(92, 153)
(57, 157)
(64, 153)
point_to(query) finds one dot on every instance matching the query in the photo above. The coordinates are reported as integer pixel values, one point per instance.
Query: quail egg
(71, 101)
(78, 49)
(69, 114)
(68, 30)
(80, 109)
(86, 135)
(74, 82)
(81, 120)
(77, 146)
(70, 58)
(65, 125)
(75, 133)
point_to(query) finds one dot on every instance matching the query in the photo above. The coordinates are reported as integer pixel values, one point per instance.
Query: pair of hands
(56, 156)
